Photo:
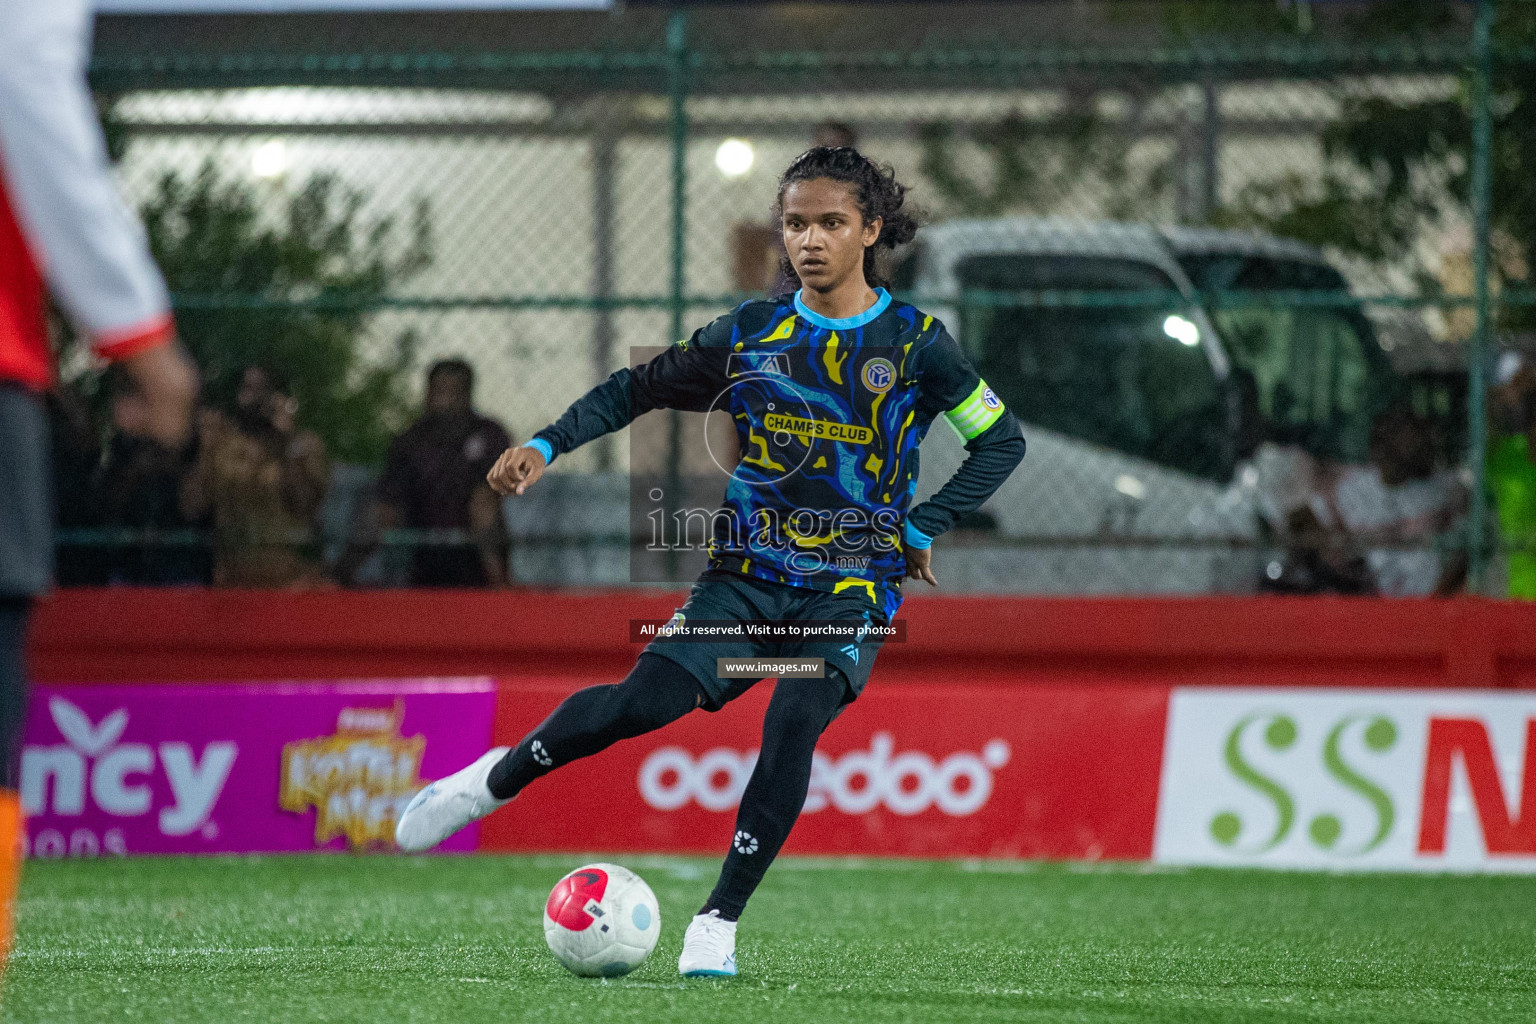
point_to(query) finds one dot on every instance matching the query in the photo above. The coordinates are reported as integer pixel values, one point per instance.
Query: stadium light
(1182, 330)
(270, 159)
(735, 157)
(1130, 486)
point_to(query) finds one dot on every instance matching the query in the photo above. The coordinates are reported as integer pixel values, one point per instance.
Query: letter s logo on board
(1279, 733)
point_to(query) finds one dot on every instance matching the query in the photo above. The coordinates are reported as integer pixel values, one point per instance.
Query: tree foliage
(279, 277)
(1396, 171)
(1028, 166)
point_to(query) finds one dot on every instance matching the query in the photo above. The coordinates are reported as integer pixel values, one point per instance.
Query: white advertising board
(1435, 780)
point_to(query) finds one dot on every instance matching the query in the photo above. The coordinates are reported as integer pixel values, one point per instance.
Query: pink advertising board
(242, 767)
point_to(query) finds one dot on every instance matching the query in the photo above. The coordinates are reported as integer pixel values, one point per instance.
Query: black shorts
(26, 504)
(723, 594)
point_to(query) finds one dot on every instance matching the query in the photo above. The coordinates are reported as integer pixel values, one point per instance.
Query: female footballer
(831, 389)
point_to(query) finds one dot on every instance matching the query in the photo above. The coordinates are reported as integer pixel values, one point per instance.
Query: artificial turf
(386, 939)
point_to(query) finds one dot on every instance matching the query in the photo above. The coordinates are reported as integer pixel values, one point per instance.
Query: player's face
(825, 234)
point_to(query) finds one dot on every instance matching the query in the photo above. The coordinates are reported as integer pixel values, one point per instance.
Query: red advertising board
(1332, 733)
(918, 770)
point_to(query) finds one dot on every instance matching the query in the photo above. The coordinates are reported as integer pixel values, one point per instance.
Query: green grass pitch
(398, 939)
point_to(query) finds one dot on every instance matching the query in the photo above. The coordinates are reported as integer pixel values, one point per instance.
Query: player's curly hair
(876, 192)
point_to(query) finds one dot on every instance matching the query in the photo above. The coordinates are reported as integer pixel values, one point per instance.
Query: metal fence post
(1477, 356)
(677, 84)
(604, 149)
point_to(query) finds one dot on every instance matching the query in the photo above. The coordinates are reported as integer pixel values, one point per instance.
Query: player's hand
(517, 470)
(166, 385)
(920, 565)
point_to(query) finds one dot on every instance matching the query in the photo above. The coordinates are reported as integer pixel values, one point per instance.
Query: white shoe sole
(703, 973)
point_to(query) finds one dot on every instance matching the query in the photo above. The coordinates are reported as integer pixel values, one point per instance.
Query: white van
(1140, 405)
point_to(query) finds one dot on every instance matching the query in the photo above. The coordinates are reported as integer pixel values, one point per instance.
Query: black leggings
(658, 691)
(13, 686)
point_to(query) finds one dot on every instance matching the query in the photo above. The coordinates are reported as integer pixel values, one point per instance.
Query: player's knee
(841, 696)
(656, 692)
(831, 698)
(796, 724)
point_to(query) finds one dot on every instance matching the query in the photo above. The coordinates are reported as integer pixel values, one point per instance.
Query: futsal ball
(601, 921)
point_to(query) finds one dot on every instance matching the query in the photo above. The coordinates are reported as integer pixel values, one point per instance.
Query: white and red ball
(601, 921)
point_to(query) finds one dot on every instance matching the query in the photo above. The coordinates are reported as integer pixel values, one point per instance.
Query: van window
(1109, 375)
(1315, 375)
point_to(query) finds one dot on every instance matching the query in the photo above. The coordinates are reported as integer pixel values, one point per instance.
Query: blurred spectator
(262, 480)
(1291, 500)
(140, 490)
(1404, 500)
(1365, 529)
(1318, 560)
(434, 479)
(1512, 468)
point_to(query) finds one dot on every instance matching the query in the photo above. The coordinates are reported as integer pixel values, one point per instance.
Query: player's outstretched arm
(517, 470)
(688, 375)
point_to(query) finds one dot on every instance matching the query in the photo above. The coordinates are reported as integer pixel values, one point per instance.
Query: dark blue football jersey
(829, 415)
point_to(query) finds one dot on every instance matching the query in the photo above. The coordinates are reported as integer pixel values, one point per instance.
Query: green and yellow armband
(979, 411)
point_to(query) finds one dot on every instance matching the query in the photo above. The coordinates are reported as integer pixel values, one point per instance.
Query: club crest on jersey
(990, 400)
(879, 375)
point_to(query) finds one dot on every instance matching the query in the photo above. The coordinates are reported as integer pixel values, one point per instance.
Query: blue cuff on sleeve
(542, 447)
(917, 538)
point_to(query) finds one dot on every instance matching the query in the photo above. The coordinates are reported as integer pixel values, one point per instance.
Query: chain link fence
(1251, 298)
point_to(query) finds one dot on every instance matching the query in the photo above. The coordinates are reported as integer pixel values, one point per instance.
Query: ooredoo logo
(56, 779)
(857, 782)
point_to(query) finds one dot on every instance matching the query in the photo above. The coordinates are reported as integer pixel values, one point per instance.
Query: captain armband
(980, 409)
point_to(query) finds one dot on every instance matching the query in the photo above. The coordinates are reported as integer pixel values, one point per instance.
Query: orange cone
(12, 830)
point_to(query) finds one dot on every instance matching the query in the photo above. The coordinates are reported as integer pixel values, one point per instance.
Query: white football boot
(709, 947)
(449, 804)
